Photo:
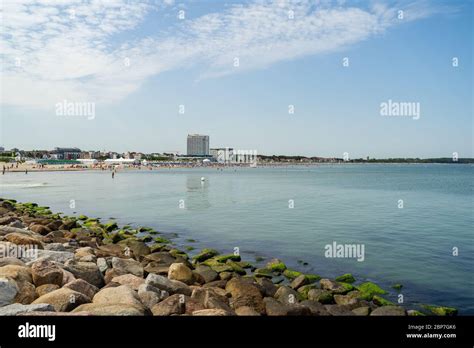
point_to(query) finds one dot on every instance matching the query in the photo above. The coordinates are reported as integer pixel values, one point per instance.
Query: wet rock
(346, 278)
(205, 254)
(440, 310)
(345, 300)
(276, 265)
(388, 311)
(299, 281)
(46, 272)
(63, 300)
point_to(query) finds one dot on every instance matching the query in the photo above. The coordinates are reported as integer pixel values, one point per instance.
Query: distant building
(90, 155)
(66, 153)
(222, 154)
(2, 149)
(198, 145)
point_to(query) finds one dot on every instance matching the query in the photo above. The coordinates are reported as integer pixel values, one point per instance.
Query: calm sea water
(248, 208)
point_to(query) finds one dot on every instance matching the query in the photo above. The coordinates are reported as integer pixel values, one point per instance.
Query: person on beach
(26, 171)
(3, 170)
(113, 174)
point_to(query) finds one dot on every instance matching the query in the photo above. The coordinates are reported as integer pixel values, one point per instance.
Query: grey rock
(17, 308)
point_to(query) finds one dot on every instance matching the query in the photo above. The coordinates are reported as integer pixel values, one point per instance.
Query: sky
(279, 77)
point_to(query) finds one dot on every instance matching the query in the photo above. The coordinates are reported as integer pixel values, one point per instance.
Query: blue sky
(282, 62)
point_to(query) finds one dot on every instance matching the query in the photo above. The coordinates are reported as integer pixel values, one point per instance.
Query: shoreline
(98, 261)
(32, 168)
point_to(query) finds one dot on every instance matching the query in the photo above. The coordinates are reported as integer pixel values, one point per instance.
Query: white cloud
(76, 50)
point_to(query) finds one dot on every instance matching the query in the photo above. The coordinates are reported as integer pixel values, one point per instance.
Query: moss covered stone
(224, 258)
(440, 310)
(205, 254)
(290, 274)
(161, 240)
(110, 226)
(235, 267)
(380, 301)
(369, 289)
(276, 265)
(263, 272)
(346, 278)
(397, 286)
(312, 278)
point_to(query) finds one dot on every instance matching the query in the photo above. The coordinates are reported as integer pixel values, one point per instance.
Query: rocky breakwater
(51, 264)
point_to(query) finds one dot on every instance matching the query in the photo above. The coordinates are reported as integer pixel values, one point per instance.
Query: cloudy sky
(236, 69)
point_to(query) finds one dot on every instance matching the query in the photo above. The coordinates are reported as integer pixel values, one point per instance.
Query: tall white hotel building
(198, 145)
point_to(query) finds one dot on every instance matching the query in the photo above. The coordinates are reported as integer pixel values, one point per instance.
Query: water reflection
(197, 192)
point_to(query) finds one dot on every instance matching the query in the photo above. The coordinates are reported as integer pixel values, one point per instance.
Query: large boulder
(17, 308)
(274, 307)
(80, 285)
(389, 311)
(120, 294)
(46, 272)
(45, 288)
(244, 294)
(8, 291)
(127, 266)
(212, 312)
(87, 271)
(63, 300)
(5, 261)
(23, 239)
(207, 273)
(130, 280)
(40, 229)
(175, 304)
(116, 309)
(169, 285)
(287, 295)
(179, 271)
